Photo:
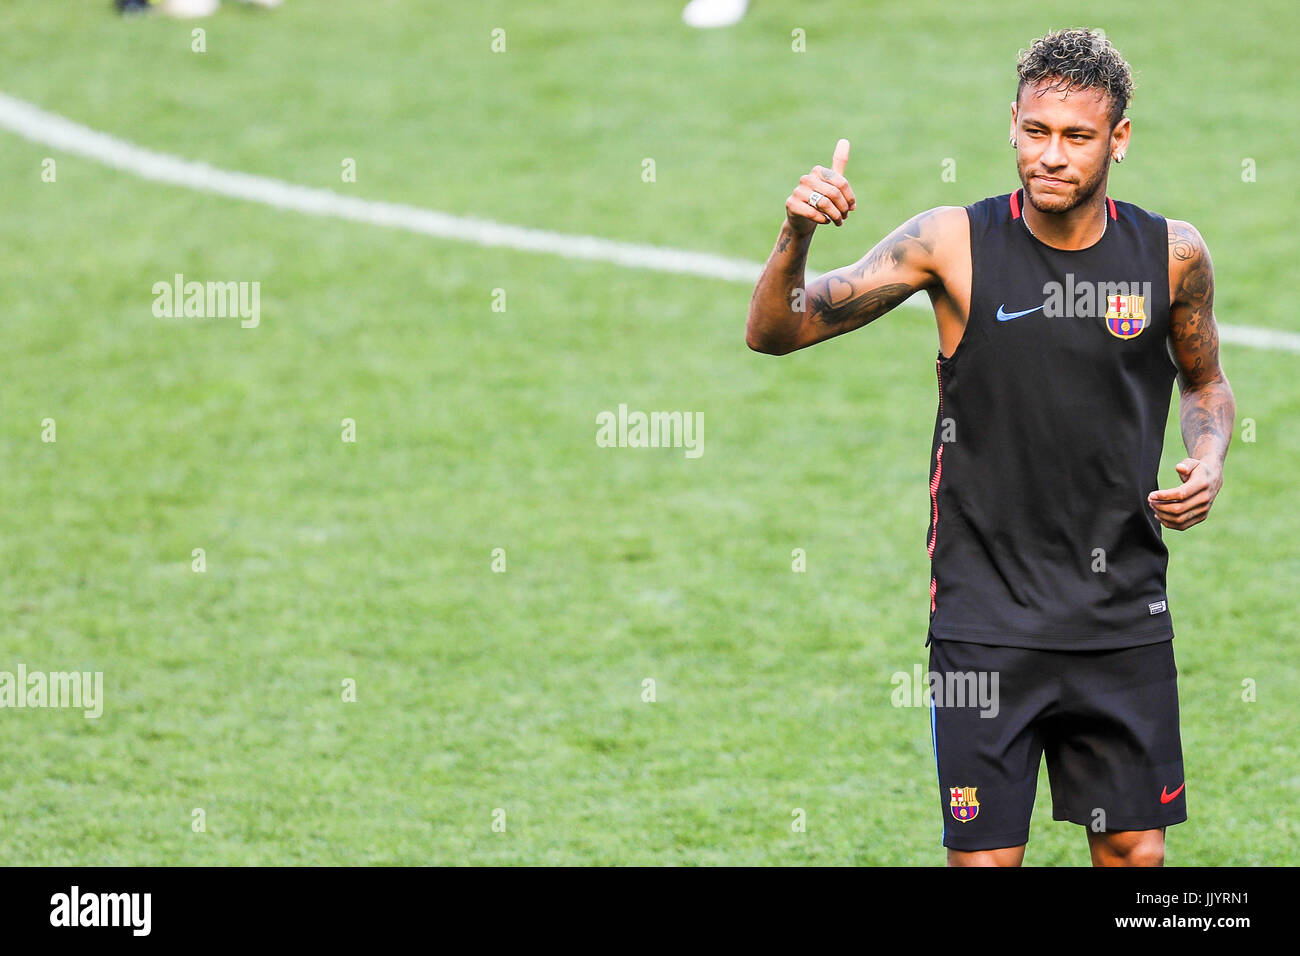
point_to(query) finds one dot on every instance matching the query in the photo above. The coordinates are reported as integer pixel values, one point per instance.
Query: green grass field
(372, 561)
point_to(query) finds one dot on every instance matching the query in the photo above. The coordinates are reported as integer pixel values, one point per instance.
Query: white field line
(50, 129)
(1251, 335)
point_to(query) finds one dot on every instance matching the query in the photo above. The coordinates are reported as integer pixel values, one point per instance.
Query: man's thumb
(841, 157)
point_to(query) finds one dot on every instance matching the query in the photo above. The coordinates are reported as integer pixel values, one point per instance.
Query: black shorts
(1107, 720)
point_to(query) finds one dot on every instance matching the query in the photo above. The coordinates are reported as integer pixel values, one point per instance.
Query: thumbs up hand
(823, 195)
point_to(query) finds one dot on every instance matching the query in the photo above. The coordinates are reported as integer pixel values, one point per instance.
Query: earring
(1013, 141)
(1119, 157)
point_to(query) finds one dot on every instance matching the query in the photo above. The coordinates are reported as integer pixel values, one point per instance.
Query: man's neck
(1078, 228)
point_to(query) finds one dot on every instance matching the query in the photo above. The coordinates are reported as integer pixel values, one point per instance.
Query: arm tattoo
(848, 297)
(896, 246)
(1207, 409)
(842, 302)
(1180, 246)
(1206, 416)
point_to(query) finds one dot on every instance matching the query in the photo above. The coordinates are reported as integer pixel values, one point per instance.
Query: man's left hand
(1188, 504)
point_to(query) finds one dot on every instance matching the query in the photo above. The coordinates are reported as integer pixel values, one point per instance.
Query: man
(1064, 318)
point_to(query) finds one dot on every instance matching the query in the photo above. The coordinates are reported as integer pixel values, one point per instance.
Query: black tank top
(1051, 420)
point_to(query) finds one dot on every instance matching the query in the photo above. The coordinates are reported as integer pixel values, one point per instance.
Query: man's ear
(1013, 119)
(1120, 134)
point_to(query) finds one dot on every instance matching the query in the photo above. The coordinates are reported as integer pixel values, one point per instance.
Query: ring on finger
(814, 199)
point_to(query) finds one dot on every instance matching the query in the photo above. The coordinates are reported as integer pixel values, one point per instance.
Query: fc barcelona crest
(964, 805)
(1125, 316)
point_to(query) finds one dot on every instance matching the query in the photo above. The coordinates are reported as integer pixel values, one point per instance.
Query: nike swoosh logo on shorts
(1005, 316)
(1167, 797)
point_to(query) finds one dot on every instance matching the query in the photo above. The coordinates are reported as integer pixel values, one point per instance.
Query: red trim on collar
(1015, 204)
(1110, 203)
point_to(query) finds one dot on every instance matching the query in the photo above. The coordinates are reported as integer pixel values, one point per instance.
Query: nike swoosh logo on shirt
(1005, 316)
(1166, 796)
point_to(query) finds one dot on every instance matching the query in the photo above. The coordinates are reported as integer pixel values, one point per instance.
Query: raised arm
(786, 315)
(1207, 409)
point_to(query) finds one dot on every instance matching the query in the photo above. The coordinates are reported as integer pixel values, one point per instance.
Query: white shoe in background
(185, 9)
(714, 13)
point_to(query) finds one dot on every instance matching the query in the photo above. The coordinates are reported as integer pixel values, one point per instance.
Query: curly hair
(1078, 60)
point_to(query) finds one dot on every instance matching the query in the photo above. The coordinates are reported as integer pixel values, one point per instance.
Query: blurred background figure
(714, 13)
(183, 8)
